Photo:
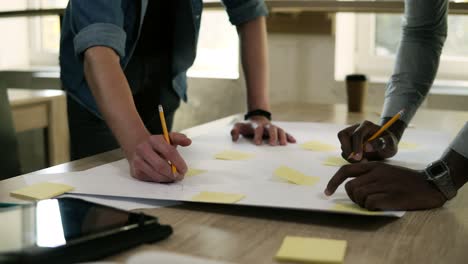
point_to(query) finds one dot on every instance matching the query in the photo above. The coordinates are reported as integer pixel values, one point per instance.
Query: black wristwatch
(257, 112)
(438, 173)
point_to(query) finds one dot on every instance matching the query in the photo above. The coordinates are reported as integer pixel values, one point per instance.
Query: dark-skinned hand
(380, 186)
(353, 139)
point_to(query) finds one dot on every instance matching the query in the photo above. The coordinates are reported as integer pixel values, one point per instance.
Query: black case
(95, 246)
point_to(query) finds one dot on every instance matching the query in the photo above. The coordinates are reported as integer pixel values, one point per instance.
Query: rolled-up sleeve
(460, 143)
(98, 23)
(241, 11)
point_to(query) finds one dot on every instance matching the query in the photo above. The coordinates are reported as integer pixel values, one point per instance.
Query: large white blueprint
(254, 177)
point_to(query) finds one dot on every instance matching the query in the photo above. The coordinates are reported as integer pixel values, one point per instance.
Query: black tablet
(68, 230)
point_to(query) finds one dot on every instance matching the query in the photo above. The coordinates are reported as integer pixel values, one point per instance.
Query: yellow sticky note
(354, 208)
(233, 155)
(43, 190)
(217, 197)
(407, 145)
(194, 172)
(295, 176)
(312, 250)
(335, 161)
(318, 146)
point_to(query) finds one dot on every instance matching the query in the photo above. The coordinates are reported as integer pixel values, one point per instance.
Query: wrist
(458, 166)
(131, 141)
(397, 129)
(257, 113)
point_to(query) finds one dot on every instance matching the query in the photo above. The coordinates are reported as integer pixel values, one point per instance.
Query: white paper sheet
(254, 177)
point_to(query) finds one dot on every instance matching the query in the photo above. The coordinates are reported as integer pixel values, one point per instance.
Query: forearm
(417, 61)
(113, 96)
(254, 55)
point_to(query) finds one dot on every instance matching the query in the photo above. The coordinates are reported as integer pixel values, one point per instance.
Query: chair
(9, 161)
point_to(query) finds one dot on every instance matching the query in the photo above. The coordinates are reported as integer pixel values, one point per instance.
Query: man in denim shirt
(121, 58)
(380, 186)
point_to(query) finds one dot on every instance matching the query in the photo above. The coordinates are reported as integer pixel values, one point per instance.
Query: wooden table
(38, 109)
(253, 235)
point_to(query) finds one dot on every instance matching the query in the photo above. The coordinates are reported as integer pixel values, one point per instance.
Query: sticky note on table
(312, 250)
(233, 155)
(318, 146)
(43, 190)
(294, 176)
(217, 197)
(194, 172)
(407, 145)
(354, 208)
(335, 161)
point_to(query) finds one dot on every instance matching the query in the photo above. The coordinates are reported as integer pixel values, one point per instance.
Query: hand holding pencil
(368, 141)
(155, 157)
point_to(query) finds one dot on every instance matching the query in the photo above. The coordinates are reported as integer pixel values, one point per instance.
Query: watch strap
(257, 112)
(442, 181)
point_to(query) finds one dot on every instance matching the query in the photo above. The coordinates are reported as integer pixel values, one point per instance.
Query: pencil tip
(160, 108)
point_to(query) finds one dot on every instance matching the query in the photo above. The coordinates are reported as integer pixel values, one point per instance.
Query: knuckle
(341, 134)
(367, 123)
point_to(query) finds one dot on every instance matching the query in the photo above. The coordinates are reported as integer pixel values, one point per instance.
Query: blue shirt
(117, 24)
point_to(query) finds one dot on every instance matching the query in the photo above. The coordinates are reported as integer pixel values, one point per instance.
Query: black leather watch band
(257, 112)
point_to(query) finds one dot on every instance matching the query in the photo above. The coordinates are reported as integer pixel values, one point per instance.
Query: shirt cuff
(460, 143)
(100, 34)
(406, 99)
(247, 12)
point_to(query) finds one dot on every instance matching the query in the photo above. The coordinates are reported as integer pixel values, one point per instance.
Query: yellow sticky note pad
(43, 190)
(294, 176)
(335, 161)
(217, 197)
(318, 146)
(233, 155)
(354, 208)
(407, 145)
(312, 250)
(194, 172)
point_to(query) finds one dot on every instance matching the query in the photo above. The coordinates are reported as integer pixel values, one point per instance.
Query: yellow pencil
(383, 128)
(165, 132)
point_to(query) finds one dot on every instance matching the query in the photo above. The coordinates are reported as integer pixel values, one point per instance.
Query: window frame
(378, 66)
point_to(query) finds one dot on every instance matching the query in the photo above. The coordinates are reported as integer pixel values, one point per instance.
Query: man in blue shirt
(121, 58)
(380, 186)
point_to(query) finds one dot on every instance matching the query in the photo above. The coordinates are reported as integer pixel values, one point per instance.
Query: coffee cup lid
(356, 77)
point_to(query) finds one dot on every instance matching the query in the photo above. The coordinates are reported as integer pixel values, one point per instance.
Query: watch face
(437, 169)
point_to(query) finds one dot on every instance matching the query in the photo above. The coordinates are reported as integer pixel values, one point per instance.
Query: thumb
(180, 139)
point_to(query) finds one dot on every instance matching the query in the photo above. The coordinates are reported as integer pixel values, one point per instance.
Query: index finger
(344, 136)
(235, 132)
(345, 172)
(169, 152)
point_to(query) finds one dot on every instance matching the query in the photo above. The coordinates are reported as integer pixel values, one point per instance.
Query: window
(44, 34)
(218, 48)
(217, 54)
(378, 37)
(373, 46)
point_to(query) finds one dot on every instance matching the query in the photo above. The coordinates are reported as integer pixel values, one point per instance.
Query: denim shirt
(117, 23)
(424, 34)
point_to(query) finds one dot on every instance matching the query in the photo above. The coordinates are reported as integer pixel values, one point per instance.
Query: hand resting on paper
(149, 160)
(380, 186)
(260, 127)
(354, 138)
